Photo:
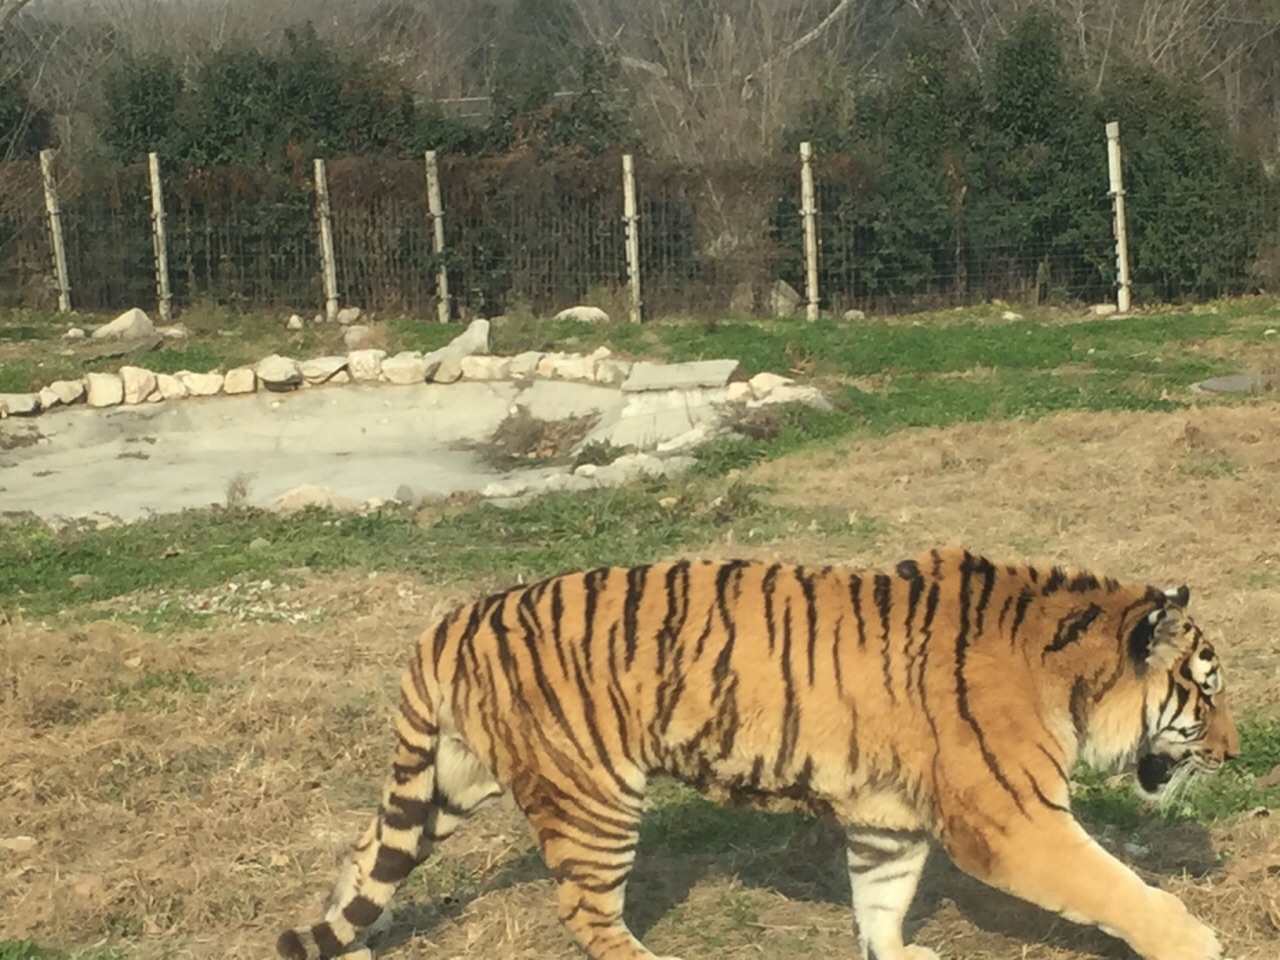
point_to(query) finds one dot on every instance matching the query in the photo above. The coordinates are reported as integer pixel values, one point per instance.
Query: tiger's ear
(1157, 632)
(1179, 595)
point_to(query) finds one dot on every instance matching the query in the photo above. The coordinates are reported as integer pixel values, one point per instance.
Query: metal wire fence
(544, 235)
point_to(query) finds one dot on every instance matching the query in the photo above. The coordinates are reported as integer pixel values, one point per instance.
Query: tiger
(942, 702)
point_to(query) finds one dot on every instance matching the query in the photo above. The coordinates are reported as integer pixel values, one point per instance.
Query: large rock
(19, 404)
(405, 368)
(321, 369)
(240, 380)
(583, 313)
(365, 364)
(104, 389)
(138, 383)
(679, 376)
(348, 315)
(278, 373)
(170, 387)
(128, 326)
(201, 384)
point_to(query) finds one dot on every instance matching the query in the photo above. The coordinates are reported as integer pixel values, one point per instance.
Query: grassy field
(193, 710)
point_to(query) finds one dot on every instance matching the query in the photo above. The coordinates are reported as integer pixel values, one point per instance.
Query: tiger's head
(1187, 723)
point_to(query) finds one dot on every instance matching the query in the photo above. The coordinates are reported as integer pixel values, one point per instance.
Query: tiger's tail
(436, 782)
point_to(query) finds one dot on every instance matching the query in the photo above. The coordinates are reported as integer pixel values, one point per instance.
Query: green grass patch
(204, 548)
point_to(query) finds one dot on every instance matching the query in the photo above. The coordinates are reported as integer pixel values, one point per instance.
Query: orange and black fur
(946, 700)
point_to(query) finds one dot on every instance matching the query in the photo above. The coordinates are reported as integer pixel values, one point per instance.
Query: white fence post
(325, 217)
(55, 231)
(1119, 226)
(632, 220)
(158, 238)
(809, 210)
(436, 208)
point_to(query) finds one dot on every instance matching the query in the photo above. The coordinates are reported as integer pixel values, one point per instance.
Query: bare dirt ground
(190, 793)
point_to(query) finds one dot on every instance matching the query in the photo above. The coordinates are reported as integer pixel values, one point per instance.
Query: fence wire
(520, 233)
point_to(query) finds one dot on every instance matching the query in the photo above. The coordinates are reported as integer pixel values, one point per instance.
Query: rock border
(467, 357)
(669, 409)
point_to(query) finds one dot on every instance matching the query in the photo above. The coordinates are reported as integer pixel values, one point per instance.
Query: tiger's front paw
(1197, 942)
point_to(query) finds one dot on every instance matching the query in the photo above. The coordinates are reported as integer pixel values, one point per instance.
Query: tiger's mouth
(1155, 770)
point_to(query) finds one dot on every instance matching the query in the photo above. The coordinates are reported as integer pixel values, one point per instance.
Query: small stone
(138, 383)
(365, 364)
(680, 376)
(68, 391)
(1234, 383)
(583, 313)
(783, 299)
(320, 369)
(405, 368)
(313, 495)
(19, 404)
(762, 384)
(259, 543)
(175, 332)
(21, 846)
(278, 373)
(524, 366)
(48, 398)
(1009, 316)
(75, 333)
(1103, 309)
(201, 384)
(854, 316)
(130, 325)
(79, 581)
(293, 323)
(240, 380)
(738, 392)
(348, 315)
(573, 366)
(613, 373)
(405, 494)
(485, 368)
(104, 389)
(170, 387)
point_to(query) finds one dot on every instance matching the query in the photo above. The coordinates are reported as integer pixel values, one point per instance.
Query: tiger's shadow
(692, 840)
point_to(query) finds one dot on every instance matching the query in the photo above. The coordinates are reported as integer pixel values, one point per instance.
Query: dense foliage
(937, 180)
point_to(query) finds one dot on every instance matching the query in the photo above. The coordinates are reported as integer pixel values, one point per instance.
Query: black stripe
(769, 586)
(1071, 627)
(1025, 597)
(881, 595)
(361, 912)
(392, 865)
(855, 597)
(636, 578)
(962, 685)
(811, 619)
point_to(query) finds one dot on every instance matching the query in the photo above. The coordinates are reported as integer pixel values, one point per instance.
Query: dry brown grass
(191, 792)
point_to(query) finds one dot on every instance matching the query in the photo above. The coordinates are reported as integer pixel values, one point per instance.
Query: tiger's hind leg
(884, 871)
(588, 840)
(430, 793)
